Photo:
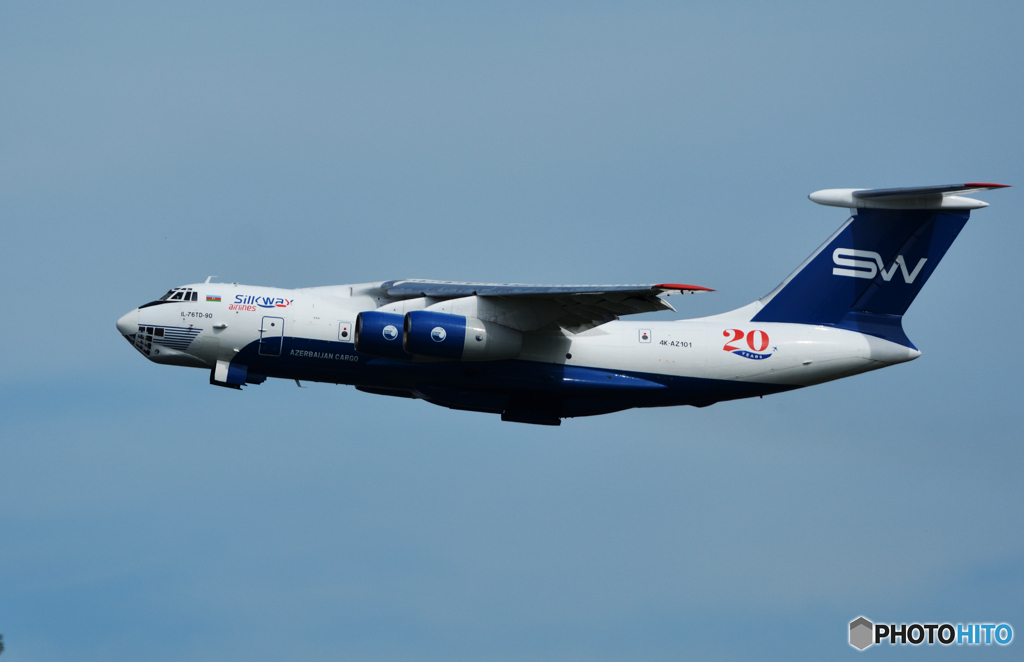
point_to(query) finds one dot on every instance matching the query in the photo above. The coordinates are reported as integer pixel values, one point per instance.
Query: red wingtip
(683, 288)
(982, 185)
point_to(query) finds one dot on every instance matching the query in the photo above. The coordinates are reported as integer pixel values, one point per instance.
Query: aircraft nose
(129, 323)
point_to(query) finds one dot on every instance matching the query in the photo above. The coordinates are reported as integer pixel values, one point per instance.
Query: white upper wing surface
(575, 308)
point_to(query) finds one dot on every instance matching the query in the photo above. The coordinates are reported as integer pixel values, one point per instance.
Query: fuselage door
(271, 336)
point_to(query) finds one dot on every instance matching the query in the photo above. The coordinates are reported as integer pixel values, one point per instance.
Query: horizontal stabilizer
(917, 197)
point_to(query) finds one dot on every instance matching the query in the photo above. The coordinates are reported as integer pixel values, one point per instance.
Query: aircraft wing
(575, 308)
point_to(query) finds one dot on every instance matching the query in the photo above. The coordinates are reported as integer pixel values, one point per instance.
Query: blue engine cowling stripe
(437, 335)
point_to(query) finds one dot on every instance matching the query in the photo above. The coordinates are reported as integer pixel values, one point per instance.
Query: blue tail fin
(869, 272)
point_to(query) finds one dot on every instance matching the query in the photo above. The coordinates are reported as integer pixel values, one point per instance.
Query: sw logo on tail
(869, 269)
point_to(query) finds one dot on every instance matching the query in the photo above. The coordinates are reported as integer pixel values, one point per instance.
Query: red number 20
(738, 336)
(755, 336)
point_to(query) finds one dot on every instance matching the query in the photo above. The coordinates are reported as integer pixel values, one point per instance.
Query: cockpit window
(180, 294)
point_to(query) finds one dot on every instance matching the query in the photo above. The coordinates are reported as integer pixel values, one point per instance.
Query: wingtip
(983, 185)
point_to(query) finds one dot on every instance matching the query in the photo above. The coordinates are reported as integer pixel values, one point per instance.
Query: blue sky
(147, 515)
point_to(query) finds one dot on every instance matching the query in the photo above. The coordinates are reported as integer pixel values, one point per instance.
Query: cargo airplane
(541, 353)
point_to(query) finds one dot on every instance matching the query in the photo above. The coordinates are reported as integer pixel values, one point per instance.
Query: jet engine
(380, 334)
(454, 337)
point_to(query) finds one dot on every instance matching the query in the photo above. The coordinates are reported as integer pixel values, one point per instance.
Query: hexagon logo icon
(862, 633)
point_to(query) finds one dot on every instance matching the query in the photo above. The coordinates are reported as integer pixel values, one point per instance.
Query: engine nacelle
(380, 334)
(444, 336)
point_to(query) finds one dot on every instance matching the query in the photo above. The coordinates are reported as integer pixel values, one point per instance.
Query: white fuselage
(723, 347)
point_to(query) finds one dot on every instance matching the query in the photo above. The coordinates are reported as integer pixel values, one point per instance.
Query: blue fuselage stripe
(485, 385)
